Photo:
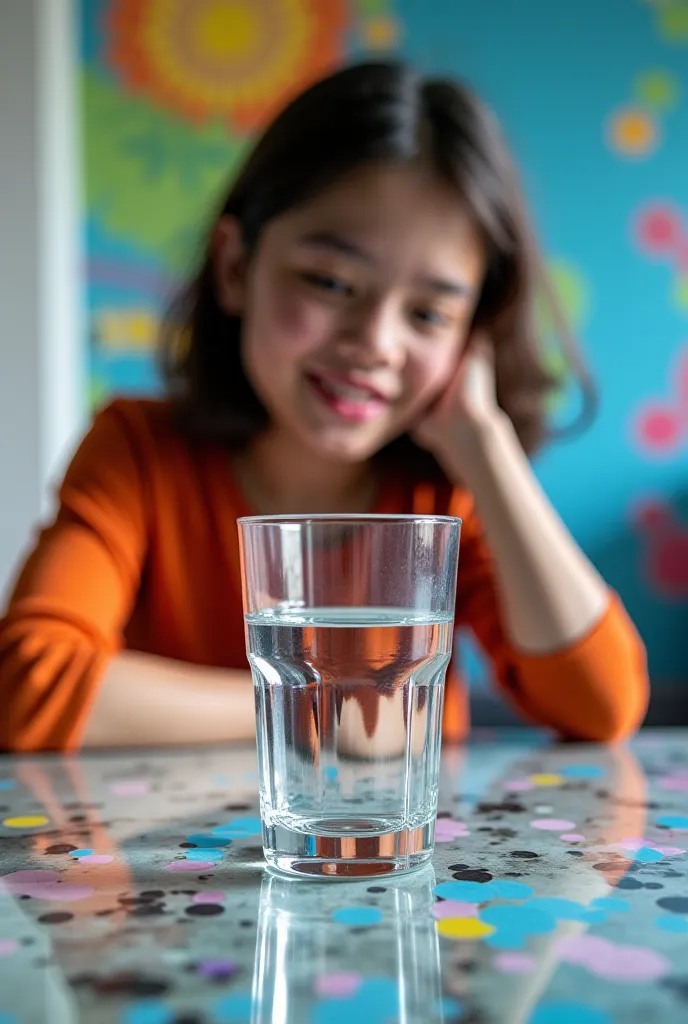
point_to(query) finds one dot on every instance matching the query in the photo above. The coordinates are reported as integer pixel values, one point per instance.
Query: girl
(359, 338)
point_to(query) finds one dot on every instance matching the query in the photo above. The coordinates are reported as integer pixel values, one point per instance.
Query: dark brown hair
(372, 112)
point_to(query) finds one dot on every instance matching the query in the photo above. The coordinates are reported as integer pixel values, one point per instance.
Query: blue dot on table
(357, 917)
(645, 855)
(239, 828)
(582, 771)
(204, 855)
(568, 1013)
(331, 773)
(6, 784)
(673, 821)
(80, 853)
(447, 1006)
(611, 905)
(149, 1011)
(562, 910)
(207, 842)
(514, 924)
(233, 1009)
(503, 889)
(481, 892)
(670, 923)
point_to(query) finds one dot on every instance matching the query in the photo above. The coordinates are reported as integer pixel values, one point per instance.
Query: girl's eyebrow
(337, 243)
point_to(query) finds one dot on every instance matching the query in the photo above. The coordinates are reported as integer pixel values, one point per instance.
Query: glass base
(350, 851)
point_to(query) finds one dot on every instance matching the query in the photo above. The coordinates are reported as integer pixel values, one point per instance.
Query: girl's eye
(328, 283)
(430, 318)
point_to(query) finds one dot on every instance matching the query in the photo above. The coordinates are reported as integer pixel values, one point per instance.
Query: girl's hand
(469, 402)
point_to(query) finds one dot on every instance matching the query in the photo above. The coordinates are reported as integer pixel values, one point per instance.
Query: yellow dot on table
(464, 928)
(546, 780)
(30, 821)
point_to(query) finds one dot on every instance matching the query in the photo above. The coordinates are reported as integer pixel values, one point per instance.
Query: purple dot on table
(129, 787)
(209, 897)
(553, 824)
(453, 908)
(96, 858)
(572, 837)
(515, 963)
(518, 785)
(8, 947)
(217, 968)
(337, 984)
(190, 865)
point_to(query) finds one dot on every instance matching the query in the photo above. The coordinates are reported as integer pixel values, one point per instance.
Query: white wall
(42, 388)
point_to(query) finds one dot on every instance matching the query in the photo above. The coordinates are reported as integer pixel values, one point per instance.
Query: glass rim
(348, 517)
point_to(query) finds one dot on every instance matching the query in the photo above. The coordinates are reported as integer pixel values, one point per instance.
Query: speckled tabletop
(134, 891)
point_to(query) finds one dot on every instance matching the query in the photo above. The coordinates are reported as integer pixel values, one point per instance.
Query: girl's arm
(550, 594)
(562, 646)
(145, 700)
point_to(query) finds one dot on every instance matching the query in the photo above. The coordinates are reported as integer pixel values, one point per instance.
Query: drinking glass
(349, 627)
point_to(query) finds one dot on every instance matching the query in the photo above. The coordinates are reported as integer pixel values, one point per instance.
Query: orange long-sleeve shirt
(143, 554)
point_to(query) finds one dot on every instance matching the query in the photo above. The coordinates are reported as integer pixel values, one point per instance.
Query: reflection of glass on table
(308, 964)
(349, 624)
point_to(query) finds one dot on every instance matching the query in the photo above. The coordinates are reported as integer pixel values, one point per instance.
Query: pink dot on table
(518, 785)
(129, 787)
(208, 897)
(553, 824)
(679, 783)
(43, 885)
(572, 837)
(190, 865)
(8, 947)
(96, 858)
(515, 963)
(611, 960)
(453, 908)
(337, 984)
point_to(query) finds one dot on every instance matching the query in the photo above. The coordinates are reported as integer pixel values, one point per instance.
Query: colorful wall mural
(594, 99)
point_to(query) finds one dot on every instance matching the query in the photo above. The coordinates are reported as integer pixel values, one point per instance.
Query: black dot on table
(459, 867)
(628, 883)
(575, 853)
(653, 885)
(60, 848)
(474, 875)
(148, 910)
(376, 888)
(152, 894)
(79, 817)
(675, 904)
(205, 910)
(58, 917)
(132, 985)
(246, 924)
(524, 854)
(187, 846)
(238, 807)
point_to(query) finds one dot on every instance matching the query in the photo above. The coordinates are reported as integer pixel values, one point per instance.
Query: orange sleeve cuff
(596, 689)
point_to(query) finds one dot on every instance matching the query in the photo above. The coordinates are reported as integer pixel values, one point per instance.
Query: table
(558, 895)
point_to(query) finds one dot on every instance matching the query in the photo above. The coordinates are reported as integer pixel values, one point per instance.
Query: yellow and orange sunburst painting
(232, 59)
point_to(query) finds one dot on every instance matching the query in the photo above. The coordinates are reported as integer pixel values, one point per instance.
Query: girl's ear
(229, 266)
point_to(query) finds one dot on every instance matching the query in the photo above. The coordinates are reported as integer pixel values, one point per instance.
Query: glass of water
(349, 627)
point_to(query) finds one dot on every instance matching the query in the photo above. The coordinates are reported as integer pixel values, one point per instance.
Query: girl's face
(356, 307)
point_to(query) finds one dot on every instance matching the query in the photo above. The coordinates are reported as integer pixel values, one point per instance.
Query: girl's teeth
(353, 394)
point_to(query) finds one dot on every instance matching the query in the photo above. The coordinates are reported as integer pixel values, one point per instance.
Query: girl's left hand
(469, 401)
